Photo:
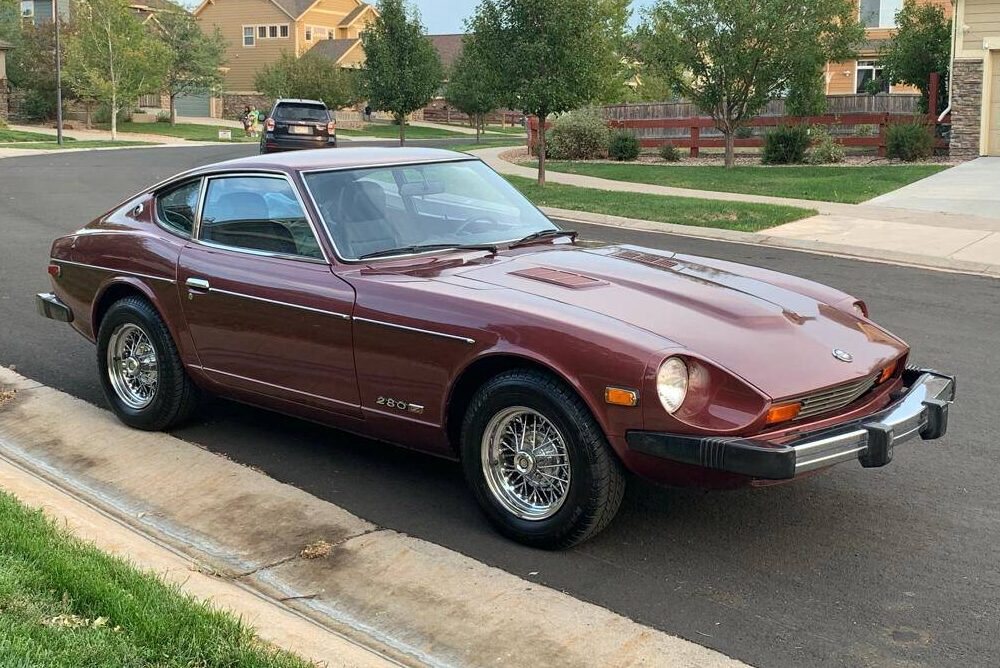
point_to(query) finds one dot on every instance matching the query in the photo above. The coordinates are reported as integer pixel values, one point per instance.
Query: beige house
(258, 31)
(879, 19)
(975, 76)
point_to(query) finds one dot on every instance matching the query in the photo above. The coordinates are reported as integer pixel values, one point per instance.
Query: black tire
(597, 480)
(176, 396)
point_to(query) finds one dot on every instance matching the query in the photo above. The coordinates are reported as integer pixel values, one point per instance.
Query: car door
(262, 306)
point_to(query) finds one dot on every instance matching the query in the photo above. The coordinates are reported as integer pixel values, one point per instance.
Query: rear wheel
(537, 461)
(141, 372)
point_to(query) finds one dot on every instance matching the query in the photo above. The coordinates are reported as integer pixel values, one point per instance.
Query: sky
(446, 16)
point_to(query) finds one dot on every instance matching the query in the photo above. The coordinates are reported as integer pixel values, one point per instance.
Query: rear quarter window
(176, 208)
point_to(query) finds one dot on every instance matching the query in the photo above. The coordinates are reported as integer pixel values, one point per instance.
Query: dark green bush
(669, 153)
(786, 145)
(623, 145)
(579, 135)
(909, 141)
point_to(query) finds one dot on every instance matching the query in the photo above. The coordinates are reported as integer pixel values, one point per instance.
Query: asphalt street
(894, 566)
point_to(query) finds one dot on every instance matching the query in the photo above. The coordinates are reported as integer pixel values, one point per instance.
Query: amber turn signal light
(617, 396)
(783, 412)
(887, 373)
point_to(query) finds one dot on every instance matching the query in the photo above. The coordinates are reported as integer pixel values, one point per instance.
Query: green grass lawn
(82, 143)
(64, 603)
(741, 216)
(487, 142)
(189, 131)
(829, 184)
(7, 136)
(390, 131)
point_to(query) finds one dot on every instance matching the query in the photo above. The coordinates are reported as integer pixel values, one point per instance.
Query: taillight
(331, 127)
(269, 124)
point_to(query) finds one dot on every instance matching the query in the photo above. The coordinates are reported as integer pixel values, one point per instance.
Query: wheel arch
(119, 288)
(482, 369)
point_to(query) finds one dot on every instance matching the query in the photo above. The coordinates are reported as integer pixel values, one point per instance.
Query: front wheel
(537, 461)
(141, 372)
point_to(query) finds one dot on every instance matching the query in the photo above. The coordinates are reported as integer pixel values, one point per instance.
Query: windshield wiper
(420, 248)
(544, 234)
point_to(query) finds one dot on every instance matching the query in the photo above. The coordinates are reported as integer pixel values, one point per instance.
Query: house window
(28, 8)
(272, 31)
(320, 32)
(868, 70)
(880, 13)
(309, 33)
(283, 30)
(261, 32)
(248, 36)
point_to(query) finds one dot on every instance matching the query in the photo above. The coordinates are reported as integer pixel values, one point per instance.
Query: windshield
(461, 203)
(295, 111)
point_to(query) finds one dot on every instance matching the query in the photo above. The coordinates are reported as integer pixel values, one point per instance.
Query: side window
(257, 213)
(176, 208)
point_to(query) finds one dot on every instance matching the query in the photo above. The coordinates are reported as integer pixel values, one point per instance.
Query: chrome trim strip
(206, 184)
(115, 271)
(279, 387)
(417, 330)
(342, 316)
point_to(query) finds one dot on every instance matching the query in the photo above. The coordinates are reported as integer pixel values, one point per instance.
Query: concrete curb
(405, 599)
(763, 239)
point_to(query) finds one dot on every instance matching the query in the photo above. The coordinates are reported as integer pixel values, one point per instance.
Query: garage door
(993, 122)
(193, 105)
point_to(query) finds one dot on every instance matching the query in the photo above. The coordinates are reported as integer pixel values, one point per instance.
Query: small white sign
(226, 135)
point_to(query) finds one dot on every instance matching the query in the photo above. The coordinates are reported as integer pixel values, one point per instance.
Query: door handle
(197, 284)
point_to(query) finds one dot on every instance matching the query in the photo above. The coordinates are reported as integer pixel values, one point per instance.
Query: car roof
(338, 158)
(297, 100)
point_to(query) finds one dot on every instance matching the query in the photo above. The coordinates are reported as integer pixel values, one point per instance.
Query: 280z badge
(399, 405)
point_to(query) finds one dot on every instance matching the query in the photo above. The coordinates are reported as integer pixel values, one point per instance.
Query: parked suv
(298, 124)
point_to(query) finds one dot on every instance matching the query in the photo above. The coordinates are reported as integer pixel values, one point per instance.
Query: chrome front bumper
(921, 410)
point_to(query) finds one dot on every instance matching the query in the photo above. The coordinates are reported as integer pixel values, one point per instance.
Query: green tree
(730, 57)
(920, 47)
(112, 58)
(31, 67)
(195, 58)
(310, 77)
(807, 91)
(472, 86)
(402, 70)
(552, 56)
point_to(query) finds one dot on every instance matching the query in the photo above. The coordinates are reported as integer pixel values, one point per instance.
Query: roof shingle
(334, 49)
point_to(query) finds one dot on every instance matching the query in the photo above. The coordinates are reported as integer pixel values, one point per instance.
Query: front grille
(834, 398)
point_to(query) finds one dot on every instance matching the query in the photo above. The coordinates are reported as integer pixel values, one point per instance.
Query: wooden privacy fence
(853, 120)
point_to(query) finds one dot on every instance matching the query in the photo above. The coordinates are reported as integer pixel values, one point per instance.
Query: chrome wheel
(132, 366)
(526, 463)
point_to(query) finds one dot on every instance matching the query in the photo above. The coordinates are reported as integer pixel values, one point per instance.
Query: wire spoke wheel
(526, 463)
(132, 366)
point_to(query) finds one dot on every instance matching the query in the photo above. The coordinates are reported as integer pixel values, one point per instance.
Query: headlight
(860, 309)
(672, 383)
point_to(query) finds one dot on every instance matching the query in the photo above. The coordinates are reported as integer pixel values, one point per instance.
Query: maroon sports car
(414, 296)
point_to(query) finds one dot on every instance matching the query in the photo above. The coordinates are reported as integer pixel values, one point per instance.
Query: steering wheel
(475, 218)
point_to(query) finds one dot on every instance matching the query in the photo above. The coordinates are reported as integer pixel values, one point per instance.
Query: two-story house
(975, 79)
(258, 31)
(879, 19)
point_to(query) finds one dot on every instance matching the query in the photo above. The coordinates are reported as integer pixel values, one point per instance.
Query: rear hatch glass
(301, 119)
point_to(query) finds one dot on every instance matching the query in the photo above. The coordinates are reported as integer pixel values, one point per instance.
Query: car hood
(777, 333)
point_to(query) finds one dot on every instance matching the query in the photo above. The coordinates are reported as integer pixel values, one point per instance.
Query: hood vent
(648, 259)
(556, 277)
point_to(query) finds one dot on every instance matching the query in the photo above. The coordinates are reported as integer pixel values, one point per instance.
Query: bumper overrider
(921, 410)
(50, 306)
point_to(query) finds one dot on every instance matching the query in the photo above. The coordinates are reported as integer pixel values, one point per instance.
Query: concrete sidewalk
(375, 593)
(941, 240)
(970, 189)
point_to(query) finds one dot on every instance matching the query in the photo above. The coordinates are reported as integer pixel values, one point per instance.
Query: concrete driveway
(972, 188)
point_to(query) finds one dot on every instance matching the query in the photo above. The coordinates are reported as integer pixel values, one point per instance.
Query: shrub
(163, 117)
(786, 145)
(825, 149)
(623, 145)
(743, 132)
(3, 124)
(669, 153)
(909, 141)
(579, 135)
